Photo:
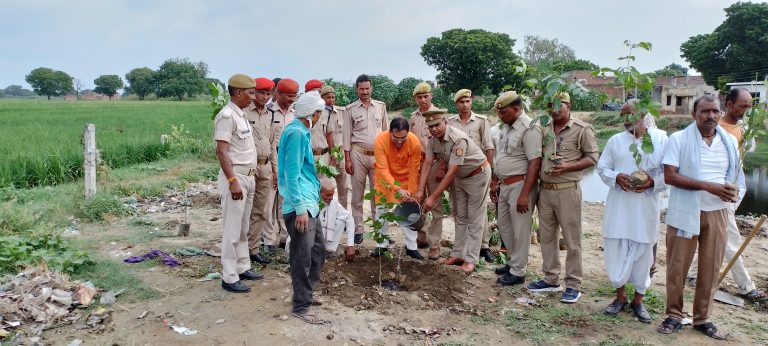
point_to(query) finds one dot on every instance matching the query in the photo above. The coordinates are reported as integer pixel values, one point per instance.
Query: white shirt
(334, 221)
(632, 215)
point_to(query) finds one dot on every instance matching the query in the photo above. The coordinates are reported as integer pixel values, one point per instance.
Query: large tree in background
(736, 50)
(179, 77)
(108, 84)
(48, 82)
(671, 70)
(384, 89)
(475, 59)
(537, 49)
(141, 81)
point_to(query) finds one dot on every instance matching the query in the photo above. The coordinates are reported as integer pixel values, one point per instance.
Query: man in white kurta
(631, 225)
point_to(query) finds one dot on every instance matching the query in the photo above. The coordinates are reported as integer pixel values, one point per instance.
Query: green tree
(48, 82)
(736, 49)
(344, 92)
(474, 59)
(141, 81)
(17, 91)
(404, 97)
(180, 77)
(384, 89)
(671, 70)
(537, 49)
(108, 84)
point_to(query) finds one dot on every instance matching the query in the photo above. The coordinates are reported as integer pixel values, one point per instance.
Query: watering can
(409, 215)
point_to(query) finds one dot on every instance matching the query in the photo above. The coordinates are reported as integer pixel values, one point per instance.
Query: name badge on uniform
(252, 122)
(245, 132)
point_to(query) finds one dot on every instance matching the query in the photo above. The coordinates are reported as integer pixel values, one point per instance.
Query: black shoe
(251, 275)
(270, 249)
(615, 307)
(414, 254)
(358, 239)
(502, 270)
(379, 251)
(510, 279)
(640, 312)
(235, 287)
(489, 257)
(259, 259)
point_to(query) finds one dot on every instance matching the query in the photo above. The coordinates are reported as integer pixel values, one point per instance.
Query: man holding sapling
(477, 127)
(470, 173)
(236, 152)
(700, 164)
(631, 167)
(737, 102)
(515, 173)
(572, 149)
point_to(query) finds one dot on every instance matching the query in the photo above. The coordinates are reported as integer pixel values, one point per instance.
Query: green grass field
(43, 139)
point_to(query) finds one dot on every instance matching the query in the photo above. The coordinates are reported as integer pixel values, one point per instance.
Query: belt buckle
(252, 172)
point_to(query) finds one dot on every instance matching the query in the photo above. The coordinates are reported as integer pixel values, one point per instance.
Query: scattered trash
(99, 319)
(183, 330)
(525, 301)
(189, 251)
(166, 258)
(433, 332)
(4, 333)
(76, 342)
(70, 231)
(221, 320)
(213, 252)
(211, 276)
(84, 294)
(62, 297)
(283, 317)
(143, 314)
(110, 297)
(492, 299)
(686, 321)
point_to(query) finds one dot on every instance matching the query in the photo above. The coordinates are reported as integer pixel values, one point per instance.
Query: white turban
(308, 104)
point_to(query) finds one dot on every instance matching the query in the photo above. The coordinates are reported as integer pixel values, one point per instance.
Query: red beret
(313, 84)
(264, 84)
(288, 86)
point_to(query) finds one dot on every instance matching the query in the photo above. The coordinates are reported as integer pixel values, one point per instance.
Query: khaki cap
(327, 89)
(434, 116)
(462, 93)
(422, 88)
(563, 96)
(505, 99)
(241, 81)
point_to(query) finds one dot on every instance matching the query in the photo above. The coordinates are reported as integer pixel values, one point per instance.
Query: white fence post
(91, 158)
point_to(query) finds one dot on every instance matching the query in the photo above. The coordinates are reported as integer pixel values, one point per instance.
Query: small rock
(221, 320)
(329, 336)
(283, 317)
(76, 342)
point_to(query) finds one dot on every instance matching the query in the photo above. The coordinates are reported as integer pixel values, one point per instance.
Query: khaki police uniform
(518, 145)
(266, 149)
(334, 121)
(471, 186)
(274, 231)
(477, 128)
(419, 128)
(560, 201)
(231, 126)
(362, 125)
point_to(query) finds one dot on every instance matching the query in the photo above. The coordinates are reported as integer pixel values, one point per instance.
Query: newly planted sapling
(219, 97)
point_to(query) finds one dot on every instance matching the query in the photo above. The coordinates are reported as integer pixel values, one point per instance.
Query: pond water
(754, 202)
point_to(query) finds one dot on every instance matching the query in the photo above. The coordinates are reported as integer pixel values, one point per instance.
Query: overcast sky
(323, 39)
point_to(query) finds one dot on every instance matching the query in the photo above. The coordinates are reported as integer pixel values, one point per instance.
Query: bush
(17, 252)
(607, 119)
(588, 102)
(95, 208)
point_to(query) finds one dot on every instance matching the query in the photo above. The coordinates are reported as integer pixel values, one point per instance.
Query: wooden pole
(91, 156)
(741, 249)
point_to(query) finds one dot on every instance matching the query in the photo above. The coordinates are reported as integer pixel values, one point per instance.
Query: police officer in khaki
(333, 119)
(431, 232)
(364, 119)
(261, 120)
(572, 150)
(470, 173)
(477, 127)
(516, 166)
(274, 231)
(236, 152)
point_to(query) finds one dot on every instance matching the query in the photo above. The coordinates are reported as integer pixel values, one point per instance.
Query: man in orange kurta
(396, 168)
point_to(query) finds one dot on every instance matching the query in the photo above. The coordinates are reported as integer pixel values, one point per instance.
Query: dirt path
(436, 305)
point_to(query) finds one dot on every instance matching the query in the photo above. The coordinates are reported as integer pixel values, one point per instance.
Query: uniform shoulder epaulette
(481, 116)
(226, 112)
(416, 112)
(453, 116)
(352, 105)
(581, 123)
(377, 101)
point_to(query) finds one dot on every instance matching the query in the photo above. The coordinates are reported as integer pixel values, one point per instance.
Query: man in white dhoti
(631, 224)
(335, 221)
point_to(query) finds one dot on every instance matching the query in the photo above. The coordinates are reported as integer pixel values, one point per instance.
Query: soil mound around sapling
(421, 284)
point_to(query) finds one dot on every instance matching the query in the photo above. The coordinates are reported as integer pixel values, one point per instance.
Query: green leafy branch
(220, 97)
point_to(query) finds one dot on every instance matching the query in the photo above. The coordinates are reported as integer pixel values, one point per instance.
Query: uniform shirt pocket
(359, 121)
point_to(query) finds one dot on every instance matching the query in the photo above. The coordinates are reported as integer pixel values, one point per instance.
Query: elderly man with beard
(299, 186)
(631, 225)
(516, 168)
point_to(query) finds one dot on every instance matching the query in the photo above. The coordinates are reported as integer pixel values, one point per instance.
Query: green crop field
(42, 140)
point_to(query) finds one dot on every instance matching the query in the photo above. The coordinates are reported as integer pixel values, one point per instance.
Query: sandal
(309, 318)
(755, 296)
(710, 330)
(669, 326)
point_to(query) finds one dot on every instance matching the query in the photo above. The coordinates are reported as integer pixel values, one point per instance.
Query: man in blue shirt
(298, 184)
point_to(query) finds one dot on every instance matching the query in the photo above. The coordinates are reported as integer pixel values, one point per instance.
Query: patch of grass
(607, 118)
(98, 206)
(481, 320)
(620, 340)
(606, 133)
(548, 323)
(110, 275)
(32, 248)
(654, 301)
(138, 235)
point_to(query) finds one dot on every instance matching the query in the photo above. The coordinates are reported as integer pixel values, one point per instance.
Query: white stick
(89, 139)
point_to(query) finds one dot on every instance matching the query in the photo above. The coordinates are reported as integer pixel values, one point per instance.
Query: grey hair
(326, 183)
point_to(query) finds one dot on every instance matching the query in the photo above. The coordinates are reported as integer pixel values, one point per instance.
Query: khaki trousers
(711, 243)
(236, 219)
(470, 196)
(261, 207)
(363, 168)
(274, 231)
(486, 225)
(434, 230)
(560, 208)
(515, 228)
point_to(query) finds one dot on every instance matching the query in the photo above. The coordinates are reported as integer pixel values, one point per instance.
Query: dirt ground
(434, 305)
